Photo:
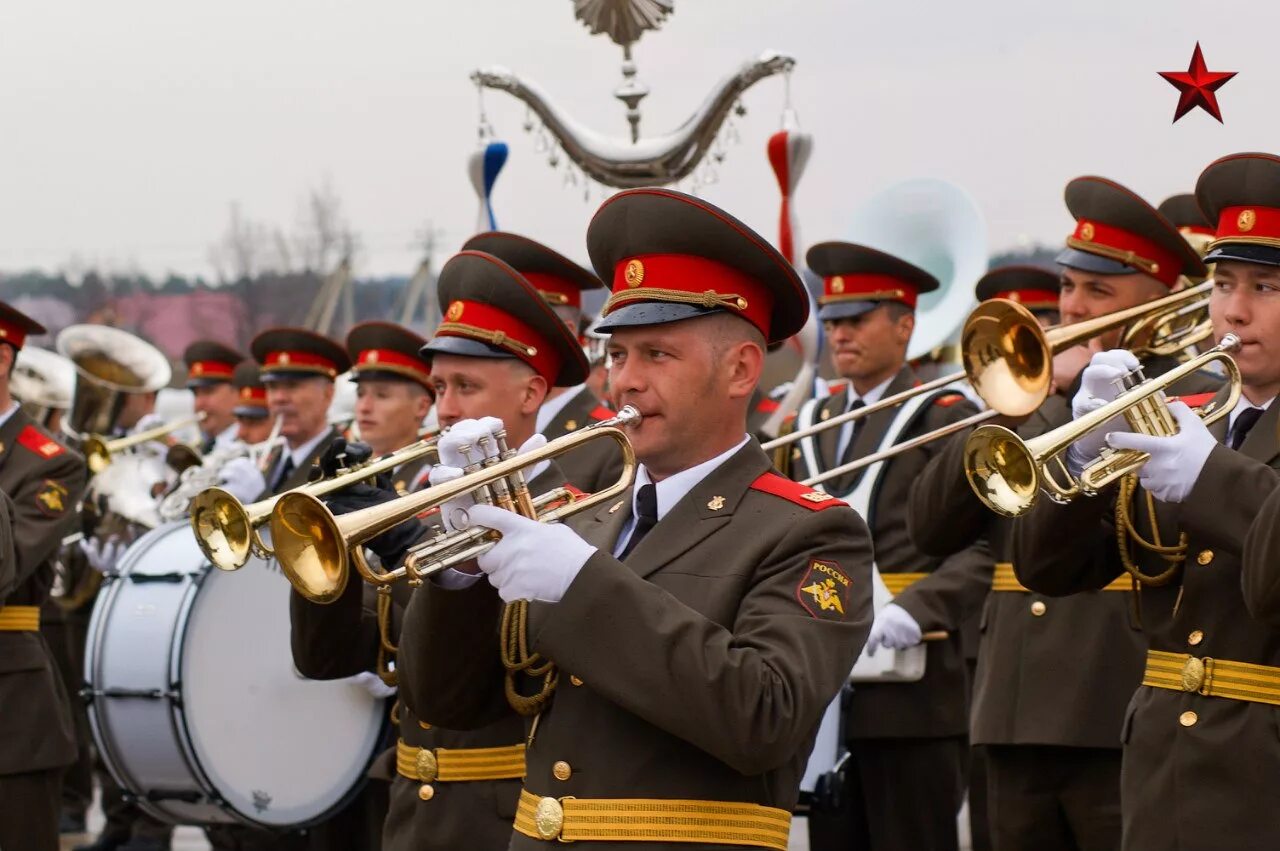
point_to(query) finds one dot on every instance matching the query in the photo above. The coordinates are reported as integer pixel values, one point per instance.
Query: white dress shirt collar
(673, 488)
(1241, 406)
(300, 454)
(4, 417)
(871, 396)
(552, 408)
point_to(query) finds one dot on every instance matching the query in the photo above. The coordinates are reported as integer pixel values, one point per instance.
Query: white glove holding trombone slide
(532, 561)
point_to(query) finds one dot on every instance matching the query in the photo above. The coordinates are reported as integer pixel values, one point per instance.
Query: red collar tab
(867, 287)
(1033, 299)
(601, 413)
(38, 442)
(689, 279)
(211, 369)
(299, 362)
(556, 291)
(476, 320)
(1259, 225)
(12, 333)
(1128, 248)
(802, 495)
(389, 360)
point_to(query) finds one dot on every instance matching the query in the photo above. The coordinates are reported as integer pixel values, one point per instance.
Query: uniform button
(562, 770)
(1188, 719)
(1038, 608)
(1195, 637)
(424, 725)
(575, 679)
(426, 792)
(1205, 556)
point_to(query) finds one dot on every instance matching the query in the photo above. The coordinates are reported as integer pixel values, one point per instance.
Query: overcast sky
(132, 125)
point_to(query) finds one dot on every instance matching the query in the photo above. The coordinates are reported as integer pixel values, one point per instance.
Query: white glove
(1176, 461)
(1098, 386)
(893, 628)
(102, 555)
(533, 561)
(454, 512)
(372, 683)
(241, 478)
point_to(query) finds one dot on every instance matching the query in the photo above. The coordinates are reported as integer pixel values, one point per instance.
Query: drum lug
(142, 693)
(144, 578)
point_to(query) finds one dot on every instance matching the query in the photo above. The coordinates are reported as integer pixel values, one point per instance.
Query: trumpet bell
(222, 527)
(1001, 470)
(313, 553)
(1007, 357)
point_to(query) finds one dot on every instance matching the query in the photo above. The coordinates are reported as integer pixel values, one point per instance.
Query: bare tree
(238, 254)
(323, 237)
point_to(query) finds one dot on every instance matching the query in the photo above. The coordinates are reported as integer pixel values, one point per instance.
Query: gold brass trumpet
(98, 450)
(1008, 357)
(228, 531)
(315, 548)
(1008, 473)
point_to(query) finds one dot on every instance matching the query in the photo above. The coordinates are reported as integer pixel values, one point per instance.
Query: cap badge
(197, 369)
(372, 357)
(1246, 220)
(455, 311)
(1086, 231)
(284, 358)
(634, 274)
(837, 284)
(246, 393)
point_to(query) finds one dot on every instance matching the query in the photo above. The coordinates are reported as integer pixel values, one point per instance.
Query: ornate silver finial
(624, 21)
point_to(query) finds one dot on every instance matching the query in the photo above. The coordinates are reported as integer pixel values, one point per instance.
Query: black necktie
(207, 446)
(1245, 421)
(285, 470)
(847, 455)
(646, 517)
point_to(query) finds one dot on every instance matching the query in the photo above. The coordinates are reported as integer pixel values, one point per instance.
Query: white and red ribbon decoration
(788, 154)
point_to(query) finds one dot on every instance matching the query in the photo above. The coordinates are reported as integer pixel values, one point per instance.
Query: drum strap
(652, 820)
(20, 619)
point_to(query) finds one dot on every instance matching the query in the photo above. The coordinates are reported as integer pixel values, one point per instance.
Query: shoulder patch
(51, 499)
(781, 486)
(1195, 400)
(601, 413)
(824, 590)
(768, 406)
(948, 400)
(40, 443)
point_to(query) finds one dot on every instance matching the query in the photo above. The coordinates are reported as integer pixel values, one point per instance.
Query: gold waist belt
(899, 582)
(651, 820)
(427, 765)
(1004, 579)
(1213, 677)
(20, 619)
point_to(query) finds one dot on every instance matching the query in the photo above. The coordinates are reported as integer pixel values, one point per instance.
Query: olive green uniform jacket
(1193, 764)
(45, 481)
(698, 669)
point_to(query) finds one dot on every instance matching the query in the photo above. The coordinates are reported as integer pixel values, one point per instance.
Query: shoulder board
(768, 406)
(1196, 400)
(40, 443)
(948, 400)
(814, 500)
(601, 413)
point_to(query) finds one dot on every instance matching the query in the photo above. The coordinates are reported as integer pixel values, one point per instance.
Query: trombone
(316, 548)
(228, 531)
(1008, 473)
(98, 450)
(1008, 360)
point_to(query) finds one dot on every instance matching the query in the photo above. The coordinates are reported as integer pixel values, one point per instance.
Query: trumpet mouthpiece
(1230, 342)
(629, 416)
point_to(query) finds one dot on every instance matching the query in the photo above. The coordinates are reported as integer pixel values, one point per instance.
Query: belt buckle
(548, 818)
(426, 765)
(1197, 675)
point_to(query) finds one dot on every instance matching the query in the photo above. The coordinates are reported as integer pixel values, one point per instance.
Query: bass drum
(194, 702)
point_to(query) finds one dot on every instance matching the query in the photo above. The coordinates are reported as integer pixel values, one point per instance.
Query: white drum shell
(195, 704)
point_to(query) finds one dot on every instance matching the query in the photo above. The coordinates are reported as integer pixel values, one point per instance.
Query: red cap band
(299, 362)
(255, 395)
(687, 279)
(211, 369)
(868, 287)
(13, 334)
(389, 360)
(1128, 248)
(557, 291)
(1034, 299)
(475, 320)
(1248, 224)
